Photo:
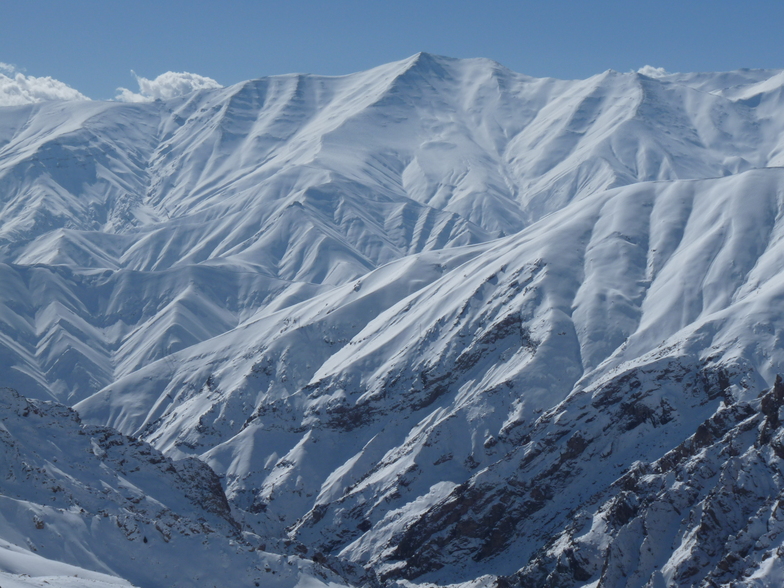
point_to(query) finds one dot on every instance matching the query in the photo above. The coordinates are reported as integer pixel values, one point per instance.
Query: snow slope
(381, 305)
(77, 498)
(307, 182)
(30, 569)
(350, 450)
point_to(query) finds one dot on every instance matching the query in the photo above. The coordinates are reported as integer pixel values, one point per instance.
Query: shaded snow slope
(416, 317)
(76, 498)
(25, 568)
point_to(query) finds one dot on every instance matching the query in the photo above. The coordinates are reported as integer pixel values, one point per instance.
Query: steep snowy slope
(93, 499)
(417, 317)
(30, 569)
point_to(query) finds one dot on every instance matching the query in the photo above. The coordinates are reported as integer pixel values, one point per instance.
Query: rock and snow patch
(90, 503)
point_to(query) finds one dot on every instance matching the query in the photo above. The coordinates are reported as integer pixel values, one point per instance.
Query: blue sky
(92, 45)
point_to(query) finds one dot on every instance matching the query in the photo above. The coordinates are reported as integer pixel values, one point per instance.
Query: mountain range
(435, 323)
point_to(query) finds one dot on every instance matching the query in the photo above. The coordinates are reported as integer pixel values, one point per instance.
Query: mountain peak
(428, 64)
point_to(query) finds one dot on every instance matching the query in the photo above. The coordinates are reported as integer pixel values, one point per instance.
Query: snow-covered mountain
(438, 319)
(79, 498)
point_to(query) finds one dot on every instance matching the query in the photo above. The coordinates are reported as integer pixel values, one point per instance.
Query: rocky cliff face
(706, 513)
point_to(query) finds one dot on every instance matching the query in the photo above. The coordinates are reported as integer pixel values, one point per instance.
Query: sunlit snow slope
(381, 306)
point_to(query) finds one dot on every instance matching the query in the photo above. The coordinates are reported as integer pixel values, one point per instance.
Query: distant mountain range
(435, 323)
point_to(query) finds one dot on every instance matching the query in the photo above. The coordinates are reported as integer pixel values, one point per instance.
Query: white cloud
(167, 85)
(653, 72)
(16, 88)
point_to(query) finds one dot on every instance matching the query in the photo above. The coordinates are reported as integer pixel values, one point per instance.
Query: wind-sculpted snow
(417, 317)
